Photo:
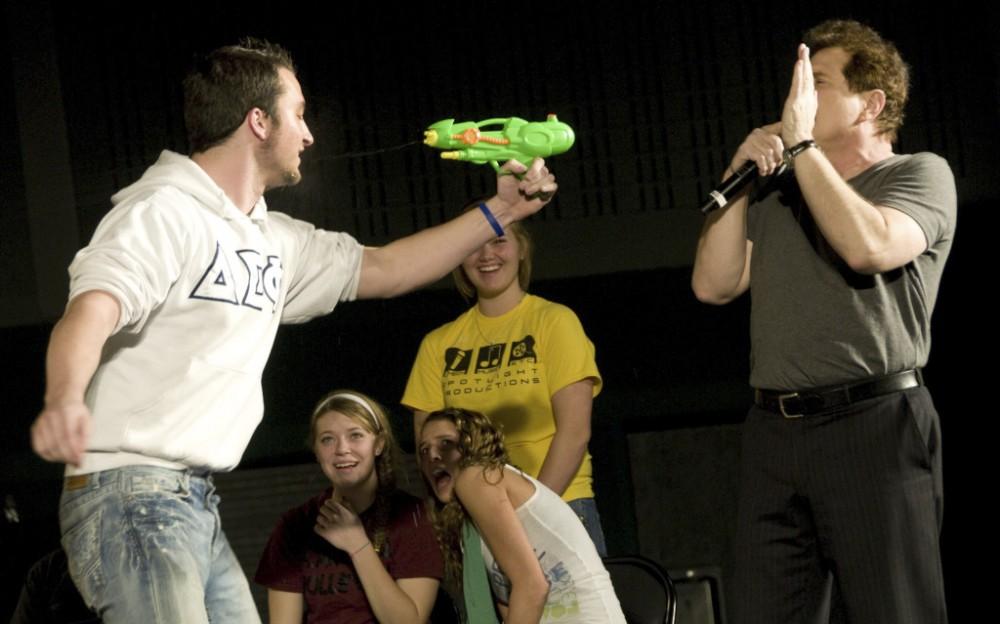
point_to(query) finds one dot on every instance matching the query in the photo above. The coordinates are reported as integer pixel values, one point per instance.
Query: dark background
(659, 95)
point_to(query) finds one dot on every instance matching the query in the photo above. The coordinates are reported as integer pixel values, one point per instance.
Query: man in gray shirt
(841, 469)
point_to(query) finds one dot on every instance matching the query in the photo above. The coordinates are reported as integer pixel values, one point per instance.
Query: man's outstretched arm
(413, 261)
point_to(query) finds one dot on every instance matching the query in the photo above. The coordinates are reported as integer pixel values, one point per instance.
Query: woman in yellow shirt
(524, 362)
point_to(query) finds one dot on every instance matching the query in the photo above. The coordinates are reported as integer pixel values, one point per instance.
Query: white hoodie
(202, 288)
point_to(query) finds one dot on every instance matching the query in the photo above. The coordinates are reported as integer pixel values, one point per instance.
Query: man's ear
(259, 123)
(874, 104)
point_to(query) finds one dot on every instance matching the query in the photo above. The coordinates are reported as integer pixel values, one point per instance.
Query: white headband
(356, 399)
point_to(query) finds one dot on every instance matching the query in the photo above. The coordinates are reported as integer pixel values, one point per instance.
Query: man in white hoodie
(153, 373)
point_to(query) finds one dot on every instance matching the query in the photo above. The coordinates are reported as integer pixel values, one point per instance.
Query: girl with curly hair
(362, 550)
(541, 564)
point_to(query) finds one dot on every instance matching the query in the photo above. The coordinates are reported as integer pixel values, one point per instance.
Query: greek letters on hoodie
(202, 289)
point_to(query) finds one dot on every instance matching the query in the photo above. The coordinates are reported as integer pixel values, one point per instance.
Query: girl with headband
(362, 550)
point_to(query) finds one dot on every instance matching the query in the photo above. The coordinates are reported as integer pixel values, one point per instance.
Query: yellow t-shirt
(508, 367)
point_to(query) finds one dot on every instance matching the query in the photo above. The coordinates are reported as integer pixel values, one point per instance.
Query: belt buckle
(781, 404)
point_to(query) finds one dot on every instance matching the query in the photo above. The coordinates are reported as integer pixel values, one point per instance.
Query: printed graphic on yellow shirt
(523, 350)
(489, 358)
(496, 366)
(456, 361)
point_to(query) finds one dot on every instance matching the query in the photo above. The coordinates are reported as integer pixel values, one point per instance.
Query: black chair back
(644, 589)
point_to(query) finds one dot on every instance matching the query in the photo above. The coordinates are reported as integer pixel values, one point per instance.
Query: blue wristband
(491, 219)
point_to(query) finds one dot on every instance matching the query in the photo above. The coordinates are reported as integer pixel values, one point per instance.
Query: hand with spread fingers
(338, 524)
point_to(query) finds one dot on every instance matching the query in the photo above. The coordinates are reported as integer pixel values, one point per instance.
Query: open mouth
(440, 478)
(490, 268)
(345, 465)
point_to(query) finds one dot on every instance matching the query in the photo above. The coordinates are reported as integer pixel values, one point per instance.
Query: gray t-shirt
(814, 322)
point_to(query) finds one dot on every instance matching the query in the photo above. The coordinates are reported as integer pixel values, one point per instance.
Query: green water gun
(513, 138)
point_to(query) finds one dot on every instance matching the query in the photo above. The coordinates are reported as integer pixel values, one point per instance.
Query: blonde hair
(526, 247)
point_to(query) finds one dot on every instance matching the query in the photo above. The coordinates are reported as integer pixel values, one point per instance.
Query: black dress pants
(854, 491)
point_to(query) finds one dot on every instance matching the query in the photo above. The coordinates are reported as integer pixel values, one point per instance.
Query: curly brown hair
(875, 63)
(481, 445)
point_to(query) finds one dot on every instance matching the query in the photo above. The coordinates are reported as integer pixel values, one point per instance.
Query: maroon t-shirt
(297, 560)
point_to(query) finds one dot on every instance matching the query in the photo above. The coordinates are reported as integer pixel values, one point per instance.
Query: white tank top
(579, 587)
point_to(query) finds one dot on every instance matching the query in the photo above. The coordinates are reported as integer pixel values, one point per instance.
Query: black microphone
(730, 187)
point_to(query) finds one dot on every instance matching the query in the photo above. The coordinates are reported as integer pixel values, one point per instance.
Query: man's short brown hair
(226, 84)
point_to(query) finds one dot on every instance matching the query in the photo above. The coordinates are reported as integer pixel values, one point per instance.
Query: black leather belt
(806, 402)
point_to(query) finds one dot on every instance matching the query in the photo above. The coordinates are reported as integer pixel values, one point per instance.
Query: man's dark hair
(226, 84)
(875, 64)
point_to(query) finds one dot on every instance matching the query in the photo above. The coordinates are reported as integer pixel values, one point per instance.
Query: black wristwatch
(790, 153)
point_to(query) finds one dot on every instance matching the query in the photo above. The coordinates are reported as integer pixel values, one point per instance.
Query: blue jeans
(586, 510)
(145, 544)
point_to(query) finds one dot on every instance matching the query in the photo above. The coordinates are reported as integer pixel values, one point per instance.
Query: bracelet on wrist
(491, 219)
(363, 546)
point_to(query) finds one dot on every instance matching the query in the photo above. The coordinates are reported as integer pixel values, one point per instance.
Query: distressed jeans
(145, 544)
